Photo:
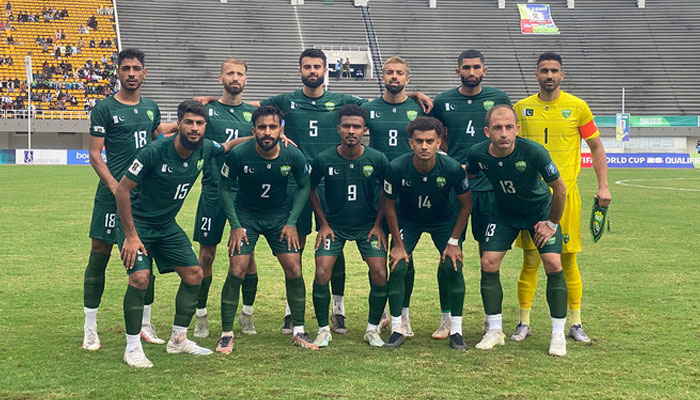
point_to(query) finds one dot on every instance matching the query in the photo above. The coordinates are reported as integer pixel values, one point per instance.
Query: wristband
(454, 242)
(552, 225)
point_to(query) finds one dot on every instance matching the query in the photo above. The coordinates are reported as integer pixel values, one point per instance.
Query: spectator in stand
(8, 6)
(92, 43)
(10, 40)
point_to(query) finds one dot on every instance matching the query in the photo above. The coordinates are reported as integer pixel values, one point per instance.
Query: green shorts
(104, 216)
(210, 220)
(270, 228)
(482, 202)
(501, 232)
(168, 246)
(440, 233)
(329, 247)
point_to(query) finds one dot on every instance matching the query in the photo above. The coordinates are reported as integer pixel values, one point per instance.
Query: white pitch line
(624, 182)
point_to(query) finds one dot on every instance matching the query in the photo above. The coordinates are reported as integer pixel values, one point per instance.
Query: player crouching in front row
(516, 167)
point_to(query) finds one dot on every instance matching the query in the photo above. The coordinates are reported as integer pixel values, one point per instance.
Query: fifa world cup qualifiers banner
(646, 160)
(55, 157)
(645, 121)
(536, 19)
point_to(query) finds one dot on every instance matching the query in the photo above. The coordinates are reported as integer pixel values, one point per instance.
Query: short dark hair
(313, 53)
(424, 123)
(352, 110)
(191, 106)
(498, 107)
(267, 110)
(469, 54)
(549, 56)
(131, 53)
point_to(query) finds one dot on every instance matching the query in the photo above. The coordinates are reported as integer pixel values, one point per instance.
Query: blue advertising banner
(7, 156)
(81, 157)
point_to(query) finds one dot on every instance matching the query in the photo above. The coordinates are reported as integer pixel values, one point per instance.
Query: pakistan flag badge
(520, 166)
(488, 104)
(150, 114)
(411, 114)
(200, 164)
(285, 169)
(247, 116)
(330, 106)
(367, 170)
(566, 113)
(441, 182)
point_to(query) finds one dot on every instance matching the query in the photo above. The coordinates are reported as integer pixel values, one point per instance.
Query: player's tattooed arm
(600, 166)
(325, 229)
(98, 164)
(132, 243)
(452, 250)
(543, 230)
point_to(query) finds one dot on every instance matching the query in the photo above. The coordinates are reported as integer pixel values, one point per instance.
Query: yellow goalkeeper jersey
(559, 126)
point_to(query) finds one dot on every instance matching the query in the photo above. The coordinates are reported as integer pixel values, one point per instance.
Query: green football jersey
(125, 129)
(465, 118)
(425, 199)
(519, 188)
(387, 125)
(311, 122)
(224, 123)
(262, 184)
(351, 187)
(165, 179)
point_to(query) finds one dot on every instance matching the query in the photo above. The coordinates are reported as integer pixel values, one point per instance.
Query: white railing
(44, 114)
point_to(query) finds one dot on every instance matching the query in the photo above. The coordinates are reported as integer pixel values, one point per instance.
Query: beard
(187, 144)
(394, 89)
(234, 90)
(265, 147)
(312, 84)
(471, 84)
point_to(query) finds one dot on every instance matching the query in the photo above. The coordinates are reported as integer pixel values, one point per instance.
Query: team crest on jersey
(411, 114)
(374, 243)
(528, 112)
(566, 113)
(551, 240)
(330, 106)
(441, 182)
(200, 164)
(488, 104)
(247, 116)
(566, 238)
(520, 166)
(150, 114)
(367, 170)
(285, 170)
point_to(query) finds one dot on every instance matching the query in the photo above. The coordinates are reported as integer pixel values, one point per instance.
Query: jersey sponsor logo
(388, 189)
(224, 170)
(551, 169)
(449, 107)
(247, 116)
(248, 169)
(528, 112)
(488, 104)
(136, 167)
(465, 183)
(411, 114)
(367, 170)
(200, 164)
(285, 169)
(330, 106)
(521, 165)
(150, 115)
(441, 182)
(165, 168)
(566, 113)
(405, 183)
(98, 129)
(333, 171)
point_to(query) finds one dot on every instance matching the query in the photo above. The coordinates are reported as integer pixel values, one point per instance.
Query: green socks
(396, 288)
(557, 294)
(408, 283)
(322, 300)
(204, 292)
(492, 292)
(185, 303)
(455, 286)
(338, 276)
(443, 289)
(94, 281)
(249, 289)
(377, 301)
(133, 309)
(229, 301)
(150, 289)
(296, 298)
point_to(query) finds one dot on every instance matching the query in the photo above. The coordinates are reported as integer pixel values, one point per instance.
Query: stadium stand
(72, 64)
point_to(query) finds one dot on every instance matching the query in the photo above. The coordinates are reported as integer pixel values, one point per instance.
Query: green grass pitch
(640, 307)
